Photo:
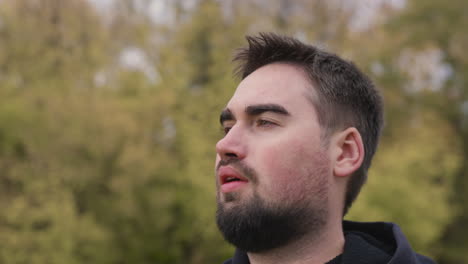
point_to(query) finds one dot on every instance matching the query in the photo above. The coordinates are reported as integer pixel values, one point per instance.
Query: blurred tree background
(108, 120)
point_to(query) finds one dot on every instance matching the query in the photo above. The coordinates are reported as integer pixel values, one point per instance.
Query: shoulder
(424, 260)
(239, 257)
(388, 238)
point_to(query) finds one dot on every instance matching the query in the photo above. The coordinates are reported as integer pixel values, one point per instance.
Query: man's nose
(232, 145)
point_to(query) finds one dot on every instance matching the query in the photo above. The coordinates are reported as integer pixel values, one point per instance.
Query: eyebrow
(226, 115)
(253, 110)
(262, 108)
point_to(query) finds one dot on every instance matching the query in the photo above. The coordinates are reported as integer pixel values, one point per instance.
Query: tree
(436, 26)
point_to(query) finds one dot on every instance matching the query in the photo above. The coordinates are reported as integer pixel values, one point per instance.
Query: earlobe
(350, 152)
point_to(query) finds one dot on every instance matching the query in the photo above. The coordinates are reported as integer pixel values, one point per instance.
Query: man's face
(271, 165)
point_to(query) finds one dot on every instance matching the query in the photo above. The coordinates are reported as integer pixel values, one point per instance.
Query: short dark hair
(346, 97)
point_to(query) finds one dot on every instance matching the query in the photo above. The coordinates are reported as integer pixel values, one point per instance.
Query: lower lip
(232, 186)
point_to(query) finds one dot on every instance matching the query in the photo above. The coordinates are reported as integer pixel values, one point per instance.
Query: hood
(378, 242)
(367, 243)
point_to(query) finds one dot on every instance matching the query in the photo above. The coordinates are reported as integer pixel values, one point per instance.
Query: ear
(348, 152)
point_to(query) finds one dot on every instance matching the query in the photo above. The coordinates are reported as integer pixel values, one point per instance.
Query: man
(300, 133)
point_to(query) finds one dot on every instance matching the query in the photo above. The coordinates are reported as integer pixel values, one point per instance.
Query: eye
(226, 129)
(265, 123)
(226, 126)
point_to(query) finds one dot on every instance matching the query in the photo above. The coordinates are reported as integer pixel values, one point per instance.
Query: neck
(311, 248)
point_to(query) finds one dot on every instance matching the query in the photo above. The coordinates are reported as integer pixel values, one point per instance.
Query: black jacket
(367, 243)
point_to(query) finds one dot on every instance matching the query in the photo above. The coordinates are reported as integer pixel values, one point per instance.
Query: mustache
(245, 170)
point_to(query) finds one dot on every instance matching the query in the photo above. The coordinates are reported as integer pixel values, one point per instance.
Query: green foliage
(410, 182)
(103, 162)
(441, 27)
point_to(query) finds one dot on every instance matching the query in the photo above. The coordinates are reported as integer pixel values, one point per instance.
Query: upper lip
(225, 173)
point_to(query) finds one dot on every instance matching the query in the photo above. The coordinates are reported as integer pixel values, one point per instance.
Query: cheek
(214, 169)
(216, 161)
(293, 169)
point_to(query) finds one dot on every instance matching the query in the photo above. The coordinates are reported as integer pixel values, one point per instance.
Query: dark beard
(256, 227)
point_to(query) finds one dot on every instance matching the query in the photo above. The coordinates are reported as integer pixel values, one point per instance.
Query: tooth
(230, 178)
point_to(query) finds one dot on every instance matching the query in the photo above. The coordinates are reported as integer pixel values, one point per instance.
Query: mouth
(230, 180)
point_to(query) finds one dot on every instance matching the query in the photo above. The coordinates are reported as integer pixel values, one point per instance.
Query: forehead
(276, 83)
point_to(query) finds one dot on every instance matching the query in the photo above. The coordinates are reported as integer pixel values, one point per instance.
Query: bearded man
(300, 133)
